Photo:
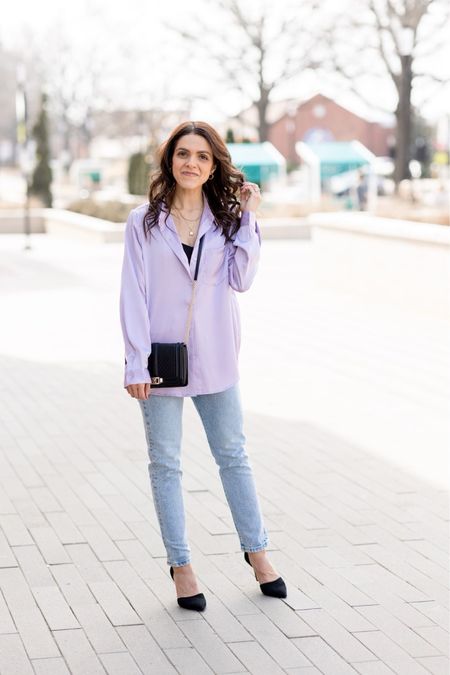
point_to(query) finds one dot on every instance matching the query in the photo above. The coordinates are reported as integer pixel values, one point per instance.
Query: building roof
(249, 154)
(352, 104)
(278, 109)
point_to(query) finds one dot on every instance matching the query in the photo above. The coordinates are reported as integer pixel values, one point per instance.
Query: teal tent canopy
(339, 157)
(258, 161)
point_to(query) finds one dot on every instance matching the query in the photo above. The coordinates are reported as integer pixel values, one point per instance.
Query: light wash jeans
(221, 415)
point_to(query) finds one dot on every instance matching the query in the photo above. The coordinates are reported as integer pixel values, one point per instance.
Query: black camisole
(188, 250)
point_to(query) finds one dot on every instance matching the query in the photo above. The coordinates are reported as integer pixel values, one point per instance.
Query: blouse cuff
(247, 227)
(136, 377)
(248, 218)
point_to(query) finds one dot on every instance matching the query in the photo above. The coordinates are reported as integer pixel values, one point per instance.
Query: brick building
(322, 119)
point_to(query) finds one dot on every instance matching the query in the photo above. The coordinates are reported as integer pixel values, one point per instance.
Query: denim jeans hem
(254, 549)
(179, 564)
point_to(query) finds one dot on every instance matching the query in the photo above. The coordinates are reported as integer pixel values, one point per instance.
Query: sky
(132, 45)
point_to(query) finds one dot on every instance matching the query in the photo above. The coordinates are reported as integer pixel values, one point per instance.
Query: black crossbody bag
(168, 361)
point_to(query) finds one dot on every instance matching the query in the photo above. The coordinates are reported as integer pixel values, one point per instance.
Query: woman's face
(192, 161)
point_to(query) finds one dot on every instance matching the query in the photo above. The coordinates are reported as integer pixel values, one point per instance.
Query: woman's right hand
(140, 391)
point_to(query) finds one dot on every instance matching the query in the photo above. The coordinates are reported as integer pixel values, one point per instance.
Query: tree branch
(383, 53)
(434, 78)
(352, 85)
(247, 26)
(225, 65)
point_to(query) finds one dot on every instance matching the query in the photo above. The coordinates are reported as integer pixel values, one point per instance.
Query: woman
(195, 194)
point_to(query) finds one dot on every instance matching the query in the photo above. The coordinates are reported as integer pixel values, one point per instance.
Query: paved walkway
(348, 451)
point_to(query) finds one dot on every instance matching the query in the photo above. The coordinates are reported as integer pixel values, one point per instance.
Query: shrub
(115, 211)
(41, 179)
(138, 174)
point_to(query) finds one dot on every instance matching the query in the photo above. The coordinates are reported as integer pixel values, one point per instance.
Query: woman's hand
(140, 391)
(250, 197)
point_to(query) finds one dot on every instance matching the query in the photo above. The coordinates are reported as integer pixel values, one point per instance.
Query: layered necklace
(192, 228)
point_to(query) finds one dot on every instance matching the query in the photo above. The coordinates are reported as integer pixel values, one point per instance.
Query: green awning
(251, 154)
(339, 157)
(259, 162)
(341, 152)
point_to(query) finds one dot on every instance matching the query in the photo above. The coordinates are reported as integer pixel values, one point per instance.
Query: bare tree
(70, 79)
(105, 69)
(390, 39)
(255, 48)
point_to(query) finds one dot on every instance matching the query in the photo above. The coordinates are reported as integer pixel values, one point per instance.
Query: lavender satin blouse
(156, 288)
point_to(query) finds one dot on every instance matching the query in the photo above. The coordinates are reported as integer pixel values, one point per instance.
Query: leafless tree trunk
(403, 115)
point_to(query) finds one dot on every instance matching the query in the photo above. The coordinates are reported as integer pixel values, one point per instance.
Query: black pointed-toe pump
(275, 589)
(197, 602)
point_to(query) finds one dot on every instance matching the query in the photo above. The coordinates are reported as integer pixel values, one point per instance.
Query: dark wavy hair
(221, 191)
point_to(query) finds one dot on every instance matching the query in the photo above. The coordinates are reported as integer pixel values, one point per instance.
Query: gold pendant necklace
(190, 227)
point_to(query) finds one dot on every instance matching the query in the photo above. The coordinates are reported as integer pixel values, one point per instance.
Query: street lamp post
(22, 140)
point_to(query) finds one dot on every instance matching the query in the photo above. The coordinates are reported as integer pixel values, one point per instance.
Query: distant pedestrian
(362, 191)
(196, 195)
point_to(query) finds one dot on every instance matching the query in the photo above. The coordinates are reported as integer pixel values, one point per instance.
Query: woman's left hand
(250, 197)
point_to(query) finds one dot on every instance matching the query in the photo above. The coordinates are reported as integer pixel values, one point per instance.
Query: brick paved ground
(348, 454)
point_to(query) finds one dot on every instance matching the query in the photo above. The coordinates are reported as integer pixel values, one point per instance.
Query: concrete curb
(68, 224)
